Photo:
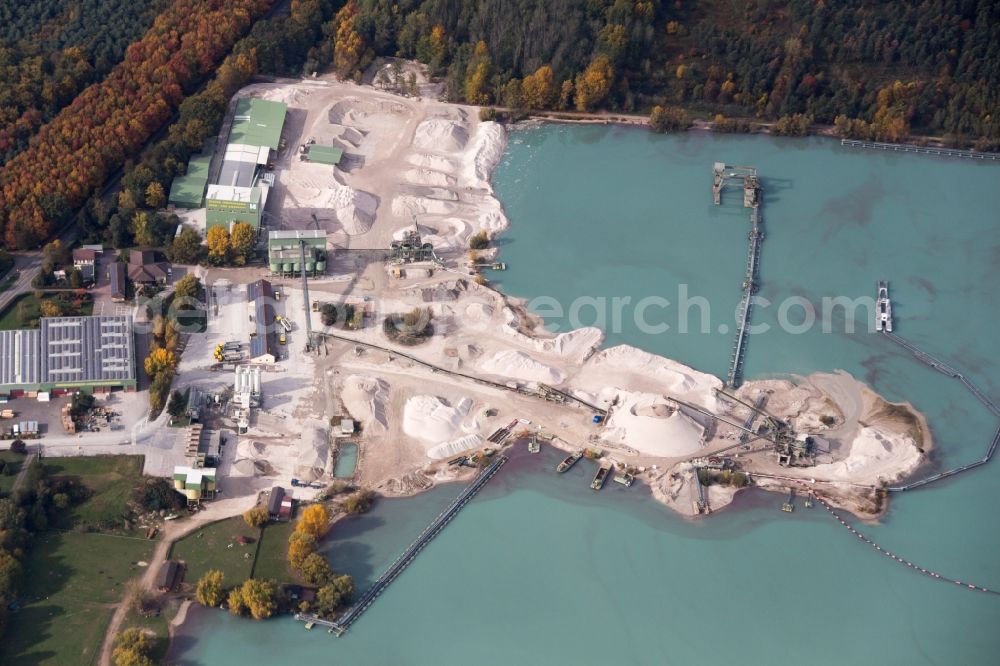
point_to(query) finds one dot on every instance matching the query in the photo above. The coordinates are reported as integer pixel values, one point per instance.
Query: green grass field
(208, 548)
(272, 557)
(111, 478)
(72, 582)
(12, 466)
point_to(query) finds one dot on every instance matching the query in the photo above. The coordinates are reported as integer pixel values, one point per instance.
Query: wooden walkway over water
(344, 622)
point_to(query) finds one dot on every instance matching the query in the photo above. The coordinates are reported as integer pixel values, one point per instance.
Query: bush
(210, 587)
(670, 119)
(487, 113)
(410, 328)
(334, 594)
(732, 125)
(794, 125)
(328, 314)
(359, 502)
(315, 521)
(157, 495)
(255, 517)
(177, 404)
(132, 648)
(315, 570)
(300, 546)
(479, 241)
(18, 446)
(259, 597)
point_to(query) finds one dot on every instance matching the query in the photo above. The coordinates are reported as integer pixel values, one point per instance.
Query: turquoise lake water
(540, 570)
(347, 460)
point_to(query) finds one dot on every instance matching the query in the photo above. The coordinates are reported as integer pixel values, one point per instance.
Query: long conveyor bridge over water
(721, 175)
(344, 622)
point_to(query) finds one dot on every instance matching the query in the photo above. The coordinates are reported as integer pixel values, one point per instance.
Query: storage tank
(321, 266)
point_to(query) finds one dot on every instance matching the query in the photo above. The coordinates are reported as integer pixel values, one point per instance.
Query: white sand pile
(874, 456)
(354, 209)
(518, 365)
(290, 95)
(575, 344)
(675, 378)
(365, 399)
(312, 451)
(354, 111)
(648, 423)
(406, 206)
(432, 419)
(488, 144)
(477, 312)
(423, 176)
(440, 135)
(455, 446)
(447, 231)
(434, 162)
(251, 459)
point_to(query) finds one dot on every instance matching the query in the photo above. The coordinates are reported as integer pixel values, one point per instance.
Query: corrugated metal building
(264, 339)
(239, 193)
(69, 353)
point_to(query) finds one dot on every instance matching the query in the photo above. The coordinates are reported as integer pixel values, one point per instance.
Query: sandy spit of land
(417, 163)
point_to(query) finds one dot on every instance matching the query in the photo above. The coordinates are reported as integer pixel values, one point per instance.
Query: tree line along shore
(887, 72)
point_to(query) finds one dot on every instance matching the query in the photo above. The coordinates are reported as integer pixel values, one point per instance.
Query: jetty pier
(351, 615)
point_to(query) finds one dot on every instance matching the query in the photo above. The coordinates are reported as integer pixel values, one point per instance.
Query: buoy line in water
(893, 556)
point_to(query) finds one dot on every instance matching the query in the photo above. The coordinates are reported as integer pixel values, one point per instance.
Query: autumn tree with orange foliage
(350, 53)
(110, 121)
(594, 84)
(538, 90)
(315, 521)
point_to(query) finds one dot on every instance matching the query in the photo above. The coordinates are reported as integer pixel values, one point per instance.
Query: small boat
(569, 461)
(533, 445)
(600, 478)
(310, 625)
(625, 479)
(883, 321)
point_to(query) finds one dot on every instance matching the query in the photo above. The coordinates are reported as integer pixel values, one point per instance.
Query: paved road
(28, 264)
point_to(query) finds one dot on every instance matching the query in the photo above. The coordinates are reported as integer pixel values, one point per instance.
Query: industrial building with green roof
(258, 122)
(284, 256)
(240, 191)
(188, 191)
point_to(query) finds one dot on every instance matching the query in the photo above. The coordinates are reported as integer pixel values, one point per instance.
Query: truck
(284, 323)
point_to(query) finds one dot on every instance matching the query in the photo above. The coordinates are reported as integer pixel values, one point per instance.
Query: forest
(73, 154)
(885, 69)
(879, 70)
(50, 50)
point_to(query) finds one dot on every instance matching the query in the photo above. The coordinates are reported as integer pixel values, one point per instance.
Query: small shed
(330, 155)
(285, 512)
(274, 502)
(168, 576)
(116, 274)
